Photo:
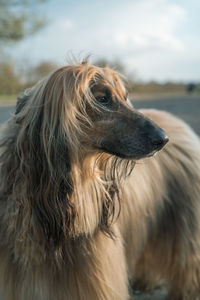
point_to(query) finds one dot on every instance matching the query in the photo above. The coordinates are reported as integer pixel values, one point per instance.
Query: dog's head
(89, 106)
(118, 128)
(63, 123)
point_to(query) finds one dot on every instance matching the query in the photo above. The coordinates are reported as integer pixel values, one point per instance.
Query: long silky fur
(39, 169)
(76, 224)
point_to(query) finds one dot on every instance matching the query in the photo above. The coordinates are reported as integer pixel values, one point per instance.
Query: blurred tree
(191, 87)
(116, 64)
(18, 19)
(9, 81)
(14, 80)
(35, 73)
(43, 69)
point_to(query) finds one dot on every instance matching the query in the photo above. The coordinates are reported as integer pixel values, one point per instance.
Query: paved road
(187, 107)
(5, 113)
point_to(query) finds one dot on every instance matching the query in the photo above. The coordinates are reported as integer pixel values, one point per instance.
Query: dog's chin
(131, 156)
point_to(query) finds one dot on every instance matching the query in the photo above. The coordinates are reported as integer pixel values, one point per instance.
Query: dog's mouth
(130, 156)
(153, 153)
(121, 155)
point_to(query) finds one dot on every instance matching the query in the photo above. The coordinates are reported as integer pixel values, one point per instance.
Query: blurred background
(155, 43)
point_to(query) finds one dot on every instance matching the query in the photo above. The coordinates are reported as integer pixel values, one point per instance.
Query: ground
(186, 107)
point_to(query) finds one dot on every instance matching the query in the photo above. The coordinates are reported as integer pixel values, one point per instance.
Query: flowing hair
(43, 167)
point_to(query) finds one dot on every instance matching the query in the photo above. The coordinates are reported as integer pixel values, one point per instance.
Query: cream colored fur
(57, 239)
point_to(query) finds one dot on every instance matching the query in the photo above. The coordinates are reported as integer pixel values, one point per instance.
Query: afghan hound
(84, 214)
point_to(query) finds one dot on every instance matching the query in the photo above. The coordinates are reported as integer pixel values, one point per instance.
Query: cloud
(149, 24)
(64, 24)
(147, 35)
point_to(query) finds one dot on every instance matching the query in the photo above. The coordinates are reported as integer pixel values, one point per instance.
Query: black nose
(159, 138)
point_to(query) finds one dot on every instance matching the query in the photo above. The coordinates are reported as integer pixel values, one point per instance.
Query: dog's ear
(44, 161)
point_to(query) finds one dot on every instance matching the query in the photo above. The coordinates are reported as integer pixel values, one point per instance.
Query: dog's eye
(103, 99)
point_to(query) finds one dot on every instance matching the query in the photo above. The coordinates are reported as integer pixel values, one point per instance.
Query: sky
(153, 39)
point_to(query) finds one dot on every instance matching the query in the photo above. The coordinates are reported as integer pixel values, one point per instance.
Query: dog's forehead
(108, 80)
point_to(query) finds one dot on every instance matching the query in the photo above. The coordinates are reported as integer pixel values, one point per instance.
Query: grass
(8, 99)
(156, 95)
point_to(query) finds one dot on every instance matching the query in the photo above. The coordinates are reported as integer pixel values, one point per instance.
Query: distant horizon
(156, 40)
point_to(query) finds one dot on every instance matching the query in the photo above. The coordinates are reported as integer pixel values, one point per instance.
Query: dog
(87, 209)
